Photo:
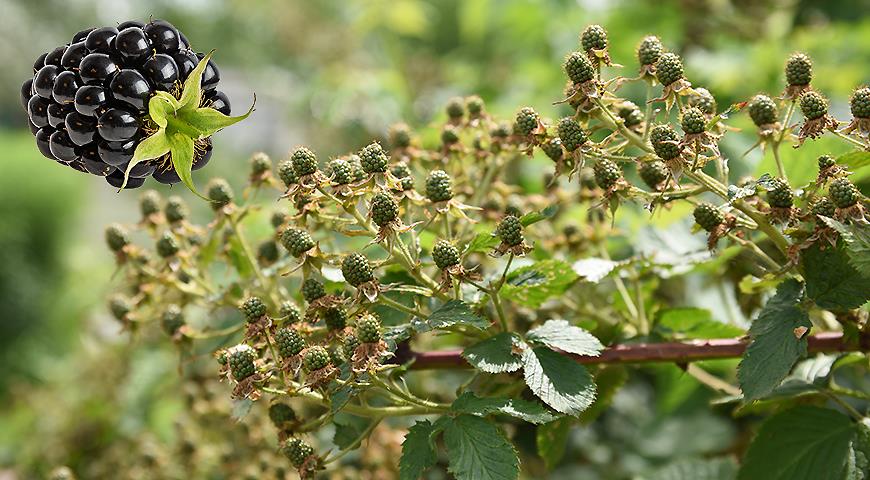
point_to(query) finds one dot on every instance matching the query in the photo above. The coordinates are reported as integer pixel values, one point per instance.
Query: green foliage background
(333, 75)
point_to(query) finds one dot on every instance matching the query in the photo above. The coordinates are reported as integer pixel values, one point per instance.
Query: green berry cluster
(356, 269)
(798, 70)
(120, 307)
(762, 110)
(281, 415)
(253, 308)
(553, 149)
(167, 245)
(368, 328)
(475, 106)
(693, 120)
(823, 206)
(594, 37)
(297, 451)
(708, 216)
(703, 100)
(175, 210)
(340, 171)
(653, 173)
(510, 231)
(449, 135)
(260, 164)
(402, 172)
(607, 173)
(630, 114)
(315, 358)
(373, 158)
(780, 195)
(665, 142)
(579, 68)
(290, 313)
(571, 133)
(650, 50)
(289, 342)
(172, 319)
(335, 318)
(149, 203)
(117, 237)
(349, 345)
(445, 254)
(241, 361)
(843, 193)
(312, 289)
(287, 173)
(304, 161)
(455, 108)
(813, 105)
(826, 161)
(527, 118)
(859, 104)
(297, 241)
(439, 186)
(384, 209)
(220, 193)
(400, 135)
(669, 68)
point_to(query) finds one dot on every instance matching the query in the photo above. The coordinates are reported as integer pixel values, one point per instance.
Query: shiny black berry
(81, 129)
(62, 147)
(100, 39)
(54, 56)
(98, 69)
(186, 61)
(73, 55)
(91, 100)
(43, 135)
(116, 153)
(131, 87)
(43, 82)
(219, 101)
(37, 110)
(132, 44)
(26, 92)
(161, 71)
(163, 35)
(57, 113)
(118, 125)
(65, 85)
(210, 76)
(116, 179)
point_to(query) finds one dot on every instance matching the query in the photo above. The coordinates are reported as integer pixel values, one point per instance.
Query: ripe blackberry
(653, 173)
(823, 206)
(708, 216)
(860, 103)
(289, 342)
(102, 81)
(175, 209)
(826, 161)
(579, 68)
(149, 203)
(241, 360)
(455, 108)
(510, 231)
(260, 164)
(449, 135)
(843, 193)
(445, 254)
(290, 313)
(340, 171)
(297, 451)
(312, 289)
(253, 308)
(762, 110)
(335, 318)
(475, 106)
(594, 37)
(220, 193)
(373, 158)
(439, 186)
(304, 161)
(572, 134)
(315, 358)
(400, 135)
(401, 171)
(368, 328)
(356, 269)
(349, 345)
(167, 245)
(630, 114)
(798, 70)
(116, 237)
(607, 173)
(281, 415)
(120, 307)
(665, 142)
(813, 105)
(693, 121)
(780, 195)
(649, 50)
(287, 173)
(384, 209)
(703, 100)
(172, 319)
(669, 68)
(297, 241)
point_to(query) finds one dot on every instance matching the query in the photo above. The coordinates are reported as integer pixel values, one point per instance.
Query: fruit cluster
(88, 100)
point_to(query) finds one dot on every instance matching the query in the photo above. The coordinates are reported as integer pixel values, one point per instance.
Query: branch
(678, 352)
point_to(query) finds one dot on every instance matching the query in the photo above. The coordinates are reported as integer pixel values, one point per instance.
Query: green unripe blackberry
(373, 158)
(553, 149)
(277, 219)
(312, 289)
(289, 342)
(290, 313)
(241, 361)
(762, 110)
(708, 216)
(356, 165)
(304, 161)
(579, 68)
(116, 237)
(356, 269)
(527, 118)
(439, 186)
(119, 307)
(368, 328)
(860, 103)
(267, 252)
(843, 193)
(455, 108)
(260, 164)
(510, 231)
(296, 241)
(823, 206)
(513, 209)
(665, 142)
(315, 358)
(475, 106)
(172, 319)
(502, 130)
(287, 173)
(253, 308)
(445, 254)
(813, 105)
(222, 357)
(297, 451)
(149, 203)
(693, 121)
(571, 134)
(826, 161)
(607, 173)
(653, 173)
(449, 135)
(281, 415)
(630, 114)
(220, 193)
(400, 135)
(594, 37)
(669, 68)
(649, 50)
(402, 172)
(175, 209)
(336, 357)
(349, 345)
(384, 209)
(704, 100)
(798, 70)
(780, 195)
(167, 245)
(335, 318)
(340, 171)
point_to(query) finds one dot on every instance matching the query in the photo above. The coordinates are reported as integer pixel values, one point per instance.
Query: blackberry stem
(249, 254)
(647, 117)
(400, 306)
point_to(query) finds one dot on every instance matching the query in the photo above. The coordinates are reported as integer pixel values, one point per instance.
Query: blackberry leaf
(495, 354)
(832, 280)
(559, 381)
(417, 452)
(524, 410)
(566, 337)
(478, 450)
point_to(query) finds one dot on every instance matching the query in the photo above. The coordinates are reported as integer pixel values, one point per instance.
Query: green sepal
(191, 93)
(152, 147)
(207, 121)
(161, 106)
(182, 153)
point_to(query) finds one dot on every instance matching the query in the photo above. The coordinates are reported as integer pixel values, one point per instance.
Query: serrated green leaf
(348, 429)
(594, 269)
(191, 92)
(535, 217)
(340, 398)
(857, 238)
(778, 341)
(697, 469)
(150, 148)
(182, 153)
(452, 313)
(478, 450)
(832, 282)
(552, 440)
(692, 323)
(206, 121)
(495, 354)
(560, 334)
(417, 452)
(161, 106)
(854, 160)
(559, 381)
(803, 443)
(482, 242)
(524, 410)
(532, 285)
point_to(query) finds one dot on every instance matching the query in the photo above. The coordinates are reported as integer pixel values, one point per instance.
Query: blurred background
(334, 75)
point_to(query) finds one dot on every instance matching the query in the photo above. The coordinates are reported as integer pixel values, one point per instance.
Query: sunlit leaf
(206, 121)
(192, 90)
